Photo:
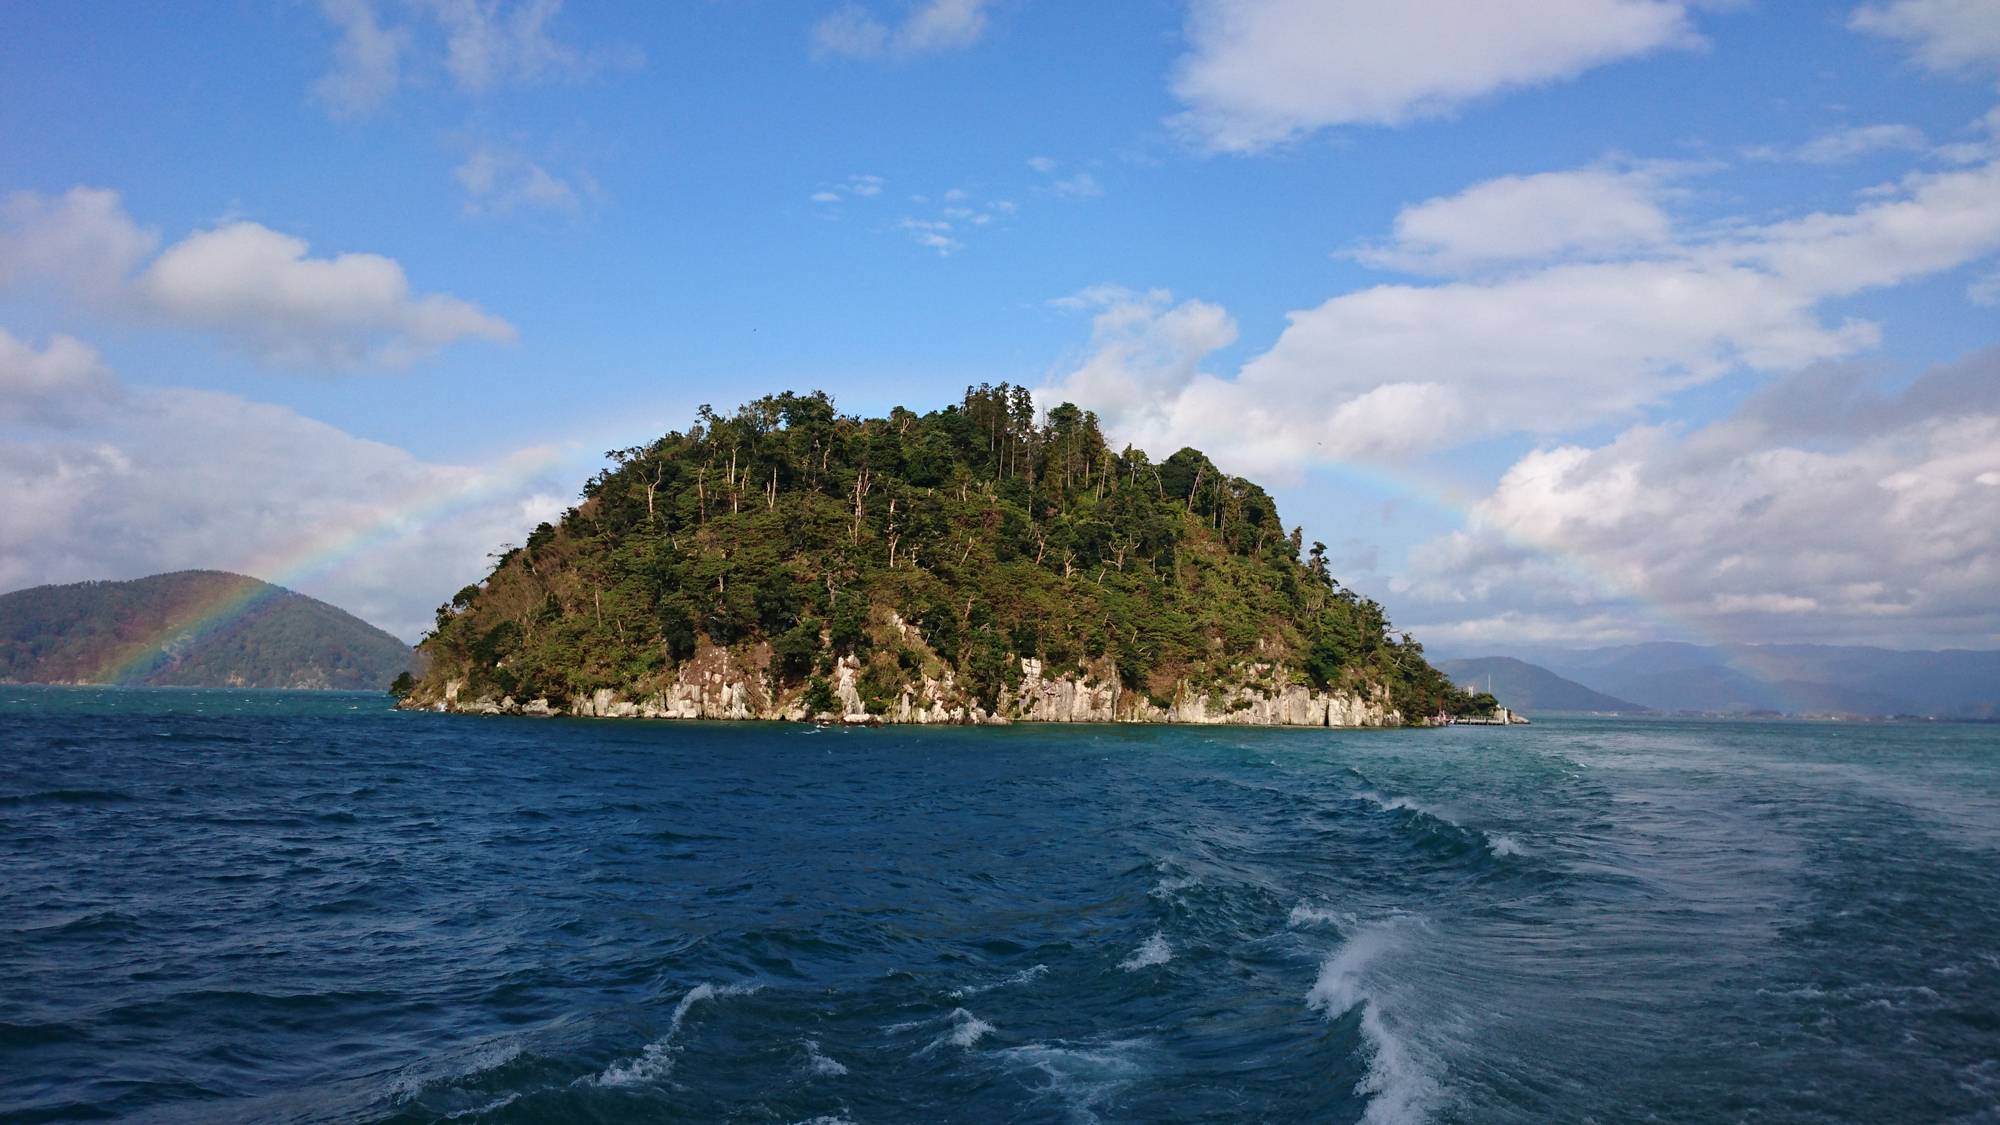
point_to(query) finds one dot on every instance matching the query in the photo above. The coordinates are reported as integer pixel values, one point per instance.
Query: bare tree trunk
(860, 493)
(653, 486)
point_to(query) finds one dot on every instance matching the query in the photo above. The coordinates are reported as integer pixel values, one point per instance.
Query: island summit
(969, 565)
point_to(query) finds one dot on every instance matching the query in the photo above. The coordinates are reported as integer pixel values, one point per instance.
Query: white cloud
(1262, 72)
(1850, 143)
(1985, 291)
(1143, 362)
(485, 44)
(1083, 185)
(499, 181)
(1513, 219)
(853, 31)
(248, 285)
(81, 240)
(367, 59)
(1821, 510)
(174, 479)
(63, 384)
(480, 44)
(258, 289)
(1393, 370)
(1080, 185)
(933, 233)
(1944, 35)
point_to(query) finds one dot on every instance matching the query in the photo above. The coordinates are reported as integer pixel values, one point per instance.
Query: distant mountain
(1529, 687)
(192, 628)
(1794, 679)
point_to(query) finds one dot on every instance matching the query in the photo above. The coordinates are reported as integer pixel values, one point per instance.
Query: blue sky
(1587, 320)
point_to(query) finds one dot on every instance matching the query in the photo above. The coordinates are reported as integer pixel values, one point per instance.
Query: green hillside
(799, 551)
(166, 631)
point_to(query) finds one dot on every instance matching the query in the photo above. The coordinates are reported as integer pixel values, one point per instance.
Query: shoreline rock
(719, 685)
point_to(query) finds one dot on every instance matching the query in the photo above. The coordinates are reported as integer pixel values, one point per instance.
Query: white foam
(483, 1110)
(1405, 804)
(966, 1029)
(1399, 1082)
(1170, 885)
(1023, 977)
(819, 1065)
(656, 1061)
(1082, 1076)
(456, 1067)
(1504, 845)
(1153, 951)
(1306, 915)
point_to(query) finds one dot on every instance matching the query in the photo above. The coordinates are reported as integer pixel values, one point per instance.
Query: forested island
(972, 564)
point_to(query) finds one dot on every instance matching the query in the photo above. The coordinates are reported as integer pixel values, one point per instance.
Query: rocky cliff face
(720, 684)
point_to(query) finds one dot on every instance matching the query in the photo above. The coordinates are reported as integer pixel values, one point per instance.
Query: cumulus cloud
(63, 384)
(250, 286)
(1825, 508)
(1943, 35)
(480, 45)
(174, 479)
(1544, 347)
(1513, 219)
(499, 181)
(854, 31)
(259, 289)
(1260, 73)
(81, 240)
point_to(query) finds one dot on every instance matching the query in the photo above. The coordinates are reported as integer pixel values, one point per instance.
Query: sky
(1568, 322)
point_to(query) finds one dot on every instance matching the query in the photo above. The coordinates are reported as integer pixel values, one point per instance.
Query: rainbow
(319, 551)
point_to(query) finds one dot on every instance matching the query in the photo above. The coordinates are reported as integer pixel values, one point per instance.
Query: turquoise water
(261, 906)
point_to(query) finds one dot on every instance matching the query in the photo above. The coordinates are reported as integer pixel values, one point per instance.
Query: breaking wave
(1400, 1083)
(1153, 951)
(1495, 843)
(819, 1065)
(656, 1061)
(966, 1029)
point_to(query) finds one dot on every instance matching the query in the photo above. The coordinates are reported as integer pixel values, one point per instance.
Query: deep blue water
(223, 906)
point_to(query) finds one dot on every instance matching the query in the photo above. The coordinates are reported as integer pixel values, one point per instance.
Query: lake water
(222, 906)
